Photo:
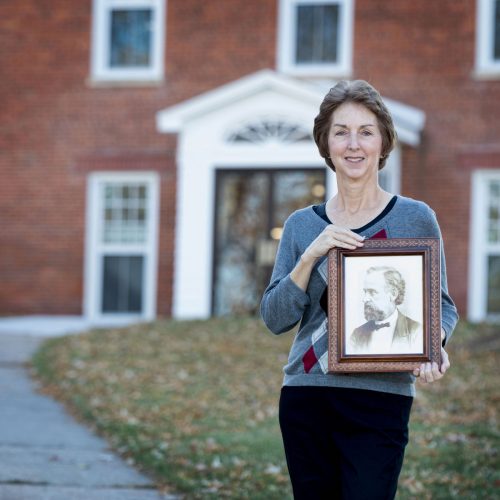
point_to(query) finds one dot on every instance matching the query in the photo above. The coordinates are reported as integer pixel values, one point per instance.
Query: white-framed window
(128, 39)
(488, 38)
(484, 264)
(121, 246)
(315, 37)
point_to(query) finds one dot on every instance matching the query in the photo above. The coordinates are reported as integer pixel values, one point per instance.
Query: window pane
(242, 221)
(493, 284)
(494, 212)
(122, 284)
(125, 214)
(294, 190)
(130, 38)
(317, 33)
(305, 30)
(496, 28)
(330, 20)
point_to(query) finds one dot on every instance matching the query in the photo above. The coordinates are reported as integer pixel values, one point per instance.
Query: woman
(345, 435)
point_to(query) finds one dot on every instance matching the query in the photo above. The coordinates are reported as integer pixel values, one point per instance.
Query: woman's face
(355, 141)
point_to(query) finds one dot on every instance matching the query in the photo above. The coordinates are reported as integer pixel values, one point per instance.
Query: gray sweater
(284, 304)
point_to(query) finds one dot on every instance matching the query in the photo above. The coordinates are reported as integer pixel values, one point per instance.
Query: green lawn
(194, 404)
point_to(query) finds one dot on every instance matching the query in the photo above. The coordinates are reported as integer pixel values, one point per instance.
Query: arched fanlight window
(270, 130)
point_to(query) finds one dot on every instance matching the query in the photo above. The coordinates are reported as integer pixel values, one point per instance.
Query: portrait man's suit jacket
(406, 331)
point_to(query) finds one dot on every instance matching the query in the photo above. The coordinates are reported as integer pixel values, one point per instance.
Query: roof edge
(173, 118)
(408, 120)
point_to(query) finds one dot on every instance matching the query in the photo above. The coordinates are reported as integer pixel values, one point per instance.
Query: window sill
(93, 82)
(492, 73)
(317, 72)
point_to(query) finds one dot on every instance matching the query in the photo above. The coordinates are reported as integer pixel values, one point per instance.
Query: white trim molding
(101, 70)
(287, 40)
(390, 175)
(479, 246)
(486, 65)
(408, 120)
(205, 125)
(174, 118)
(96, 248)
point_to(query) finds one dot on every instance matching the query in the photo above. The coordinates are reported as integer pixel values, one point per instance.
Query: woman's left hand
(430, 372)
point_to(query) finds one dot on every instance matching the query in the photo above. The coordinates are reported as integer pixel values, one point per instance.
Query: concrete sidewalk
(44, 453)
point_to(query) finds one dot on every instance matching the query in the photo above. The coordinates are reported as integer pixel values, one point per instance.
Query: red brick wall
(55, 127)
(211, 43)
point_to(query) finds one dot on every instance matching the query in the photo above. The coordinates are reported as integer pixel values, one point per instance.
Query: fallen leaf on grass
(414, 486)
(272, 469)
(456, 438)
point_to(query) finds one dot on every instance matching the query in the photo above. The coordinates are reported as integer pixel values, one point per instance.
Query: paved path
(44, 453)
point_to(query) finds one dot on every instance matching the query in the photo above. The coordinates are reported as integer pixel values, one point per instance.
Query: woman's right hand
(332, 236)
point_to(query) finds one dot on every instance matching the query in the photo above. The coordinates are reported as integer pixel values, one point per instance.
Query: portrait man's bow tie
(371, 326)
(381, 325)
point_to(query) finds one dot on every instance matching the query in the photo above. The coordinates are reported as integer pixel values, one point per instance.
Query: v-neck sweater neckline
(320, 210)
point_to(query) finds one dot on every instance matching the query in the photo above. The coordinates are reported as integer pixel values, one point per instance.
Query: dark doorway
(251, 207)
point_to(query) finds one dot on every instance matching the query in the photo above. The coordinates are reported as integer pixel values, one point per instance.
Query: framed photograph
(384, 306)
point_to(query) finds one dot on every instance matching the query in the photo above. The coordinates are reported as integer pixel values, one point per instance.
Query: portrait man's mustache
(373, 313)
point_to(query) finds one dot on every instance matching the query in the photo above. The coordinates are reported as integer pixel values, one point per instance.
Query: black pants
(343, 443)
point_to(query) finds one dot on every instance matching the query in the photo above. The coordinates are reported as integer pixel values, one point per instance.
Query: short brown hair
(360, 92)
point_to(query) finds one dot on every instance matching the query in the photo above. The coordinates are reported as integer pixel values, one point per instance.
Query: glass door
(250, 210)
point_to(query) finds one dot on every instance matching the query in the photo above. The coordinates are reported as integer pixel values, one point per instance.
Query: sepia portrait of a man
(387, 330)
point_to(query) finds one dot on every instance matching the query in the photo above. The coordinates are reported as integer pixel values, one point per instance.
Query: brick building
(151, 149)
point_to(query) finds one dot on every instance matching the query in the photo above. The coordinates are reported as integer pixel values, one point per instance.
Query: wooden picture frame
(384, 306)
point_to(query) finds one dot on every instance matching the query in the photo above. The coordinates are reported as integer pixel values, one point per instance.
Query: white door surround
(209, 126)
